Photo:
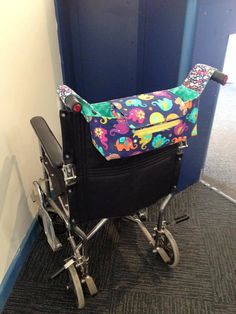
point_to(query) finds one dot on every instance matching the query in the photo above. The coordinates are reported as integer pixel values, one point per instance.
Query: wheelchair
(92, 178)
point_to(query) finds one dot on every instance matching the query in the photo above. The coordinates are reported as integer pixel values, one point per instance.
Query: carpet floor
(131, 279)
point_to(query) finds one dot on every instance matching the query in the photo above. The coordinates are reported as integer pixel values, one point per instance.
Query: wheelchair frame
(59, 176)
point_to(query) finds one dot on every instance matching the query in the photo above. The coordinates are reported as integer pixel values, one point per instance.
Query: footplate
(91, 285)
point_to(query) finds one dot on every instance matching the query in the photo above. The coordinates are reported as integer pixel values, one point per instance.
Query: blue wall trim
(188, 39)
(17, 263)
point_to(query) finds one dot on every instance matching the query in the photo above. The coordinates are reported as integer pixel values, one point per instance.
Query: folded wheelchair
(117, 158)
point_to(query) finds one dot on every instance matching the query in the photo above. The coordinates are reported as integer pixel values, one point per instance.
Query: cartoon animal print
(194, 130)
(145, 96)
(192, 116)
(116, 114)
(179, 139)
(180, 128)
(165, 104)
(135, 102)
(179, 101)
(118, 105)
(103, 120)
(136, 115)
(156, 117)
(188, 104)
(113, 156)
(144, 140)
(183, 106)
(125, 143)
(159, 141)
(101, 134)
(99, 148)
(121, 127)
(172, 116)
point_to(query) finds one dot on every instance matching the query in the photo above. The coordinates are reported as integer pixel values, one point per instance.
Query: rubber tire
(77, 286)
(174, 247)
(59, 226)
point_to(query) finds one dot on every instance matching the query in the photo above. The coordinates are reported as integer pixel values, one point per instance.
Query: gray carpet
(220, 167)
(133, 280)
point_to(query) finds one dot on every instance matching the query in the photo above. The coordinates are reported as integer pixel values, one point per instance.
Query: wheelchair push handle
(219, 77)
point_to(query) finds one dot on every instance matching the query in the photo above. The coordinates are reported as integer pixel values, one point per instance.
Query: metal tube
(45, 174)
(161, 211)
(93, 231)
(143, 229)
(62, 215)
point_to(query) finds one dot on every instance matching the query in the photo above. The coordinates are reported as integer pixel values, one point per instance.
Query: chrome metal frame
(77, 238)
(153, 239)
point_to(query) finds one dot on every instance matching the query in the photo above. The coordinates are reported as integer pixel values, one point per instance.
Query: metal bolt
(63, 115)
(69, 191)
(52, 174)
(67, 156)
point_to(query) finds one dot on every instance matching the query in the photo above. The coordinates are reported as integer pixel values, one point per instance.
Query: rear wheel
(58, 223)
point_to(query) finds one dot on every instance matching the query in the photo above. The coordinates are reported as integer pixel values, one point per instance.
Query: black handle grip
(219, 77)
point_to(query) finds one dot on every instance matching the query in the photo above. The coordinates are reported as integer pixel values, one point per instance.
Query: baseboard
(17, 263)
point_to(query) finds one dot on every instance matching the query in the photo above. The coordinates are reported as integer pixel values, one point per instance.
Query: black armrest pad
(48, 141)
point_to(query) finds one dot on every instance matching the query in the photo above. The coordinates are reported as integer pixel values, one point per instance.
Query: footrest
(178, 220)
(181, 218)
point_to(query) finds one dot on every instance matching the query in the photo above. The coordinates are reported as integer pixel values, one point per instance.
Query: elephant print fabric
(143, 123)
(133, 125)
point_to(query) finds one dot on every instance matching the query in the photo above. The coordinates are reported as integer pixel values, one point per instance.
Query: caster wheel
(168, 243)
(76, 284)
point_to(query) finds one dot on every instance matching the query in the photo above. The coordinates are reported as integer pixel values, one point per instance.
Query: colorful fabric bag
(133, 125)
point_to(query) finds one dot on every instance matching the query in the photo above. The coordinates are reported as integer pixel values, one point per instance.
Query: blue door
(215, 21)
(112, 49)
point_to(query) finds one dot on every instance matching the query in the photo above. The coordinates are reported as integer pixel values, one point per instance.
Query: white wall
(230, 59)
(29, 73)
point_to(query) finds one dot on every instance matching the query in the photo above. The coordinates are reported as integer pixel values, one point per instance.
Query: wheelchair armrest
(48, 141)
